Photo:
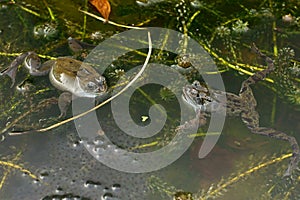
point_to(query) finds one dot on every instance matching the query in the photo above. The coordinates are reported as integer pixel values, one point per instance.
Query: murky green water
(55, 164)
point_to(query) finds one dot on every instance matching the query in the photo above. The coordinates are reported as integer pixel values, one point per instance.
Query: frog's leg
(11, 70)
(81, 49)
(78, 46)
(198, 121)
(64, 101)
(258, 76)
(251, 118)
(35, 66)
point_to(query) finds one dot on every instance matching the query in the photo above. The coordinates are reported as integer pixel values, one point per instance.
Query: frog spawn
(70, 172)
(61, 174)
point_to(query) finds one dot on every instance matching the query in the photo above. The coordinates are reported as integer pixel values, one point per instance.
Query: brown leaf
(102, 6)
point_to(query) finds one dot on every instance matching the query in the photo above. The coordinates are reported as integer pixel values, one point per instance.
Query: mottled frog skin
(206, 101)
(66, 74)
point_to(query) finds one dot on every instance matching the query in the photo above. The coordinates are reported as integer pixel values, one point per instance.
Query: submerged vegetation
(225, 29)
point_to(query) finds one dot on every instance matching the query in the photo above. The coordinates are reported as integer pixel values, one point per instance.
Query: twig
(49, 10)
(110, 22)
(226, 63)
(274, 36)
(18, 167)
(17, 54)
(8, 170)
(29, 11)
(84, 20)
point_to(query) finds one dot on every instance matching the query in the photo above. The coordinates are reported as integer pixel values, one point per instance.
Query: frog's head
(90, 82)
(196, 95)
(94, 85)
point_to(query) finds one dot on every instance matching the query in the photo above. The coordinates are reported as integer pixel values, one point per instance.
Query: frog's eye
(194, 92)
(91, 85)
(100, 80)
(196, 83)
(200, 87)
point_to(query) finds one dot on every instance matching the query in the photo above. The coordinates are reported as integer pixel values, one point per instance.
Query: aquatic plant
(225, 29)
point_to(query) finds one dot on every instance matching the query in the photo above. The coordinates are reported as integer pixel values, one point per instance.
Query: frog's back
(77, 77)
(65, 65)
(233, 104)
(64, 72)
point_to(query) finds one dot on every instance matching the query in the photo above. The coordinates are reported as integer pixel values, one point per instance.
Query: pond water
(56, 164)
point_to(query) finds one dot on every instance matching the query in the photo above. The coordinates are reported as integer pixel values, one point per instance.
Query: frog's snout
(102, 86)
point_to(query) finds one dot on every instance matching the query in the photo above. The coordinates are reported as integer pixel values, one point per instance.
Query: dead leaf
(102, 6)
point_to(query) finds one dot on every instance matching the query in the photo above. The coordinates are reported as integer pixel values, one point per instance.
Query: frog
(205, 101)
(75, 78)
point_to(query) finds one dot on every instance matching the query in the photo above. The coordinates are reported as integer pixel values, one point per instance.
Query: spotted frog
(206, 101)
(66, 74)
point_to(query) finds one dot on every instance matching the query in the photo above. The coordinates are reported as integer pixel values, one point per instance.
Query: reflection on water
(55, 165)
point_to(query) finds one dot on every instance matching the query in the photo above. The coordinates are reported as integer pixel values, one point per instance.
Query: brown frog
(66, 74)
(205, 101)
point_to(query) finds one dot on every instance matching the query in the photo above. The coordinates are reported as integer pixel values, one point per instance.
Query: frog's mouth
(186, 96)
(102, 89)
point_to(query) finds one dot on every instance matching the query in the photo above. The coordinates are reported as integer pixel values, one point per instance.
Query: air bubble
(58, 190)
(118, 150)
(36, 181)
(92, 184)
(44, 175)
(83, 140)
(107, 196)
(25, 174)
(98, 150)
(89, 144)
(116, 187)
(110, 146)
(98, 141)
(76, 144)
